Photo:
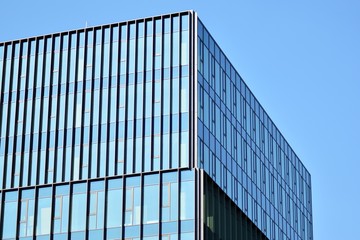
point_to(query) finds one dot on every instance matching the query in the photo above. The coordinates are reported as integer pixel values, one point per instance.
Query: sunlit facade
(135, 130)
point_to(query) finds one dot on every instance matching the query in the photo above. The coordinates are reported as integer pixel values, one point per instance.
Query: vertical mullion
(41, 114)
(56, 159)
(87, 207)
(178, 203)
(142, 184)
(18, 214)
(16, 91)
(161, 83)
(123, 203)
(135, 150)
(105, 197)
(49, 110)
(83, 101)
(32, 161)
(143, 83)
(109, 74)
(66, 112)
(122, 40)
(90, 165)
(126, 98)
(1, 75)
(162, 100)
(152, 94)
(116, 151)
(71, 190)
(2, 72)
(11, 92)
(36, 201)
(180, 85)
(134, 92)
(192, 89)
(142, 200)
(68, 58)
(144, 94)
(179, 96)
(78, 95)
(53, 216)
(21, 62)
(2, 82)
(170, 92)
(52, 204)
(160, 202)
(25, 121)
(73, 113)
(98, 157)
(9, 174)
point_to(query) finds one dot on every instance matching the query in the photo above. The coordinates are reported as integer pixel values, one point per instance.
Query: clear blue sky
(300, 58)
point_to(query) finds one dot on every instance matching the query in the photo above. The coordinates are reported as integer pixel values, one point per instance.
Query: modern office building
(141, 130)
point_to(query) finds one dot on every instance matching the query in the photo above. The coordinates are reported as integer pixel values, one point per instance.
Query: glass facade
(96, 102)
(241, 149)
(139, 206)
(222, 217)
(104, 133)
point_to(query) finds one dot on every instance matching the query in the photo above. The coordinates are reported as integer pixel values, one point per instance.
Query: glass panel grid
(248, 152)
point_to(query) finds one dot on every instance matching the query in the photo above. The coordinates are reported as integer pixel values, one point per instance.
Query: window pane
(96, 209)
(185, 48)
(175, 49)
(78, 212)
(9, 216)
(27, 213)
(170, 197)
(132, 204)
(114, 208)
(187, 200)
(44, 212)
(61, 212)
(151, 204)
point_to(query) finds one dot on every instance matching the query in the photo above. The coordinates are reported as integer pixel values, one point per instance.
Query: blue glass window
(184, 47)
(138, 154)
(184, 146)
(149, 45)
(114, 203)
(96, 207)
(26, 227)
(187, 196)
(132, 201)
(175, 150)
(169, 199)
(129, 155)
(78, 208)
(151, 191)
(147, 154)
(176, 48)
(140, 48)
(9, 215)
(61, 209)
(43, 220)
